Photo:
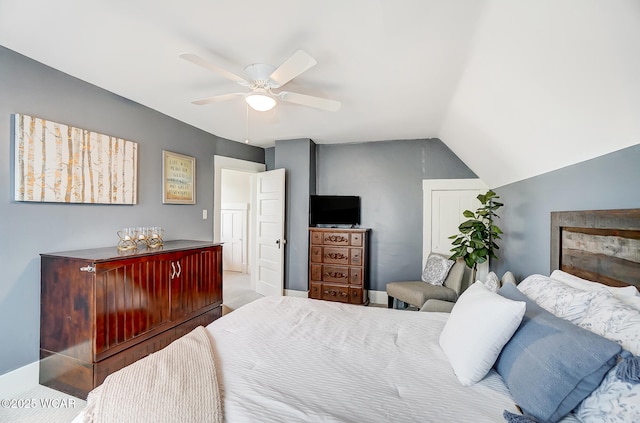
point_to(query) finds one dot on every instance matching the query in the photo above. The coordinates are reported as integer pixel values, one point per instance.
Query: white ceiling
(514, 88)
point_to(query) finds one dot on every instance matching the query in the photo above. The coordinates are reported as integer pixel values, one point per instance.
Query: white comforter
(283, 359)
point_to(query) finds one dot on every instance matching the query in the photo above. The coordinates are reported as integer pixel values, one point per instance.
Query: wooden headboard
(598, 245)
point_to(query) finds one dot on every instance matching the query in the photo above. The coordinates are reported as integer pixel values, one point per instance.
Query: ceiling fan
(263, 79)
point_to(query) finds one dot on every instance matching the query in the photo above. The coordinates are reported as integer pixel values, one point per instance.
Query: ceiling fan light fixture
(260, 102)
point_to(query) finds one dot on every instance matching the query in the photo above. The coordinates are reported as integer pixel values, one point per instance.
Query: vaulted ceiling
(514, 88)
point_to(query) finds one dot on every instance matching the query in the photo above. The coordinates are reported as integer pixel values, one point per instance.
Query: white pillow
(436, 269)
(609, 317)
(586, 285)
(557, 297)
(491, 282)
(480, 324)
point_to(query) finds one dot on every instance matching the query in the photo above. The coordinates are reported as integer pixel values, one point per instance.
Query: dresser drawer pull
(336, 238)
(334, 293)
(336, 275)
(335, 256)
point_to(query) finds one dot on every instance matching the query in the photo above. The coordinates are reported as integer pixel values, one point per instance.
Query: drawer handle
(336, 275)
(336, 238)
(334, 293)
(335, 256)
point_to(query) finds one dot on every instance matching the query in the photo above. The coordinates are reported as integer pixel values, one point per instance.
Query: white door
(447, 208)
(444, 201)
(270, 242)
(233, 234)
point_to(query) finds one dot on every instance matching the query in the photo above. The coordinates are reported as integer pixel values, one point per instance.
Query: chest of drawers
(338, 262)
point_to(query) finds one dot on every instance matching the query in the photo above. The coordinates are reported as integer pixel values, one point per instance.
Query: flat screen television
(334, 210)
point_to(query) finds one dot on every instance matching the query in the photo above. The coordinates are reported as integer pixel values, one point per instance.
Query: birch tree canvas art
(63, 164)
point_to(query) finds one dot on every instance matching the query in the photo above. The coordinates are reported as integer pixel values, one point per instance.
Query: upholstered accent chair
(446, 306)
(416, 293)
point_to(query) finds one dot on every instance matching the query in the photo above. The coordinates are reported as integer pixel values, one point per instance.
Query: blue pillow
(550, 365)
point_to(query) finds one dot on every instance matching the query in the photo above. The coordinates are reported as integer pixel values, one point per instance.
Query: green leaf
(475, 242)
(470, 262)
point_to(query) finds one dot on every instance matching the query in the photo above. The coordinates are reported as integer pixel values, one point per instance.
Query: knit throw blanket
(175, 384)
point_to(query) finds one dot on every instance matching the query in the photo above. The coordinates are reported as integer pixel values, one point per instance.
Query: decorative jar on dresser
(338, 264)
(102, 310)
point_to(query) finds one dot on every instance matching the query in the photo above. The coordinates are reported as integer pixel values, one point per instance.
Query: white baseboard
(294, 293)
(378, 297)
(19, 380)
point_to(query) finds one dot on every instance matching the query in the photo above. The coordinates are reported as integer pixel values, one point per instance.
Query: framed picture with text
(178, 178)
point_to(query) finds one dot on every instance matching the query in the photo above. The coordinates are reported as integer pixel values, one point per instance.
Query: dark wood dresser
(338, 263)
(101, 310)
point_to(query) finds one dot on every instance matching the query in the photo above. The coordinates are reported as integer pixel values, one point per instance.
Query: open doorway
(234, 189)
(234, 219)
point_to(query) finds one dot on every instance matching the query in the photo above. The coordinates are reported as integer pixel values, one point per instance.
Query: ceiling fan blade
(190, 57)
(311, 101)
(217, 98)
(292, 67)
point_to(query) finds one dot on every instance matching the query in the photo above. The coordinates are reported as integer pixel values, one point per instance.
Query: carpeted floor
(236, 291)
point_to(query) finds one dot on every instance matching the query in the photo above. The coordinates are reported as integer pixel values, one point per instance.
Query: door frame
(223, 162)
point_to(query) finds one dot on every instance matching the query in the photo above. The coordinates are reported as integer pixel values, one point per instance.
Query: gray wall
(298, 158)
(27, 229)
(270, 158)
(388, 178)
(611, 181)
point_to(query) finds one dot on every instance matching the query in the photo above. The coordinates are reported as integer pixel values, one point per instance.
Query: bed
(284, 359)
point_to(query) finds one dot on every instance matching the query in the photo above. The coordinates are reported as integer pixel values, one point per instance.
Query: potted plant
(476, 241)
